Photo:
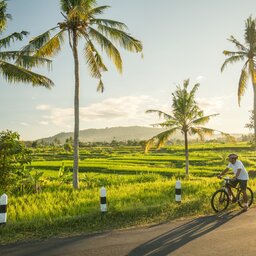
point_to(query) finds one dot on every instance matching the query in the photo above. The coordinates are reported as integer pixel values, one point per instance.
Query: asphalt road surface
(229, 234)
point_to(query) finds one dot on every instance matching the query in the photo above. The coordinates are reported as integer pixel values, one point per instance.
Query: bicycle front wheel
(220, 200)
(249, 197)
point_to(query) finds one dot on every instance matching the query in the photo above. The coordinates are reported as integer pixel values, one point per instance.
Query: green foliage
(245, 52)
(81, 21)
(13, 157)
(140, 188)
(186, 117)
(15, 65)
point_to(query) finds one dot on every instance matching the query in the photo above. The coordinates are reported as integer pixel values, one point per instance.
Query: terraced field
(140, 189)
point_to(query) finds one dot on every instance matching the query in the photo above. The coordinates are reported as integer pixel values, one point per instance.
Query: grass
(140, 190)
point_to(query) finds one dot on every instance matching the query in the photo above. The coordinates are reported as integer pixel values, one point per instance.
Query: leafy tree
(250, 125)
(186, 117)
(13, 156)
(68, 147)
(247, 53)
(15, 65)
(80, 21)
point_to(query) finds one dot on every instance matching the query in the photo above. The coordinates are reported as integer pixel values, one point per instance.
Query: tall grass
(140, 190)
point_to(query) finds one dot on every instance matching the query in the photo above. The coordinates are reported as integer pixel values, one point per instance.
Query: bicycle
(220, 199)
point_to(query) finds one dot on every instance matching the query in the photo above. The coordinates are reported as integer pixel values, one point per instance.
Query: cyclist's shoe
(233, 200)
(245, 208)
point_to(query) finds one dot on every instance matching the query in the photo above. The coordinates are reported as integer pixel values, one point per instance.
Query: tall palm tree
(186, 117)
(15, 66)
(80, 21)
(247, 53)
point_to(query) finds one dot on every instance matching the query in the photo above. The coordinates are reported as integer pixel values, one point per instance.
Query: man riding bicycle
(241, 177)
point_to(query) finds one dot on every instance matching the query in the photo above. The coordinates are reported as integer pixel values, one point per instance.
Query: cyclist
(241, 177)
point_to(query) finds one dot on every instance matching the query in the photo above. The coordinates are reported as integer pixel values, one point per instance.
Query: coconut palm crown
(81, 21)
(186, 117)
(15, 66)
(247, 53)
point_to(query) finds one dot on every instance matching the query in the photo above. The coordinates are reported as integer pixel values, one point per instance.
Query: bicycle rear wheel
(249, 197)
(220, 200)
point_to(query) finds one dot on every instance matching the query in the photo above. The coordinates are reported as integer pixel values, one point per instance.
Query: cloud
(24, 124)
(213, 104)
(122, 111)
(44, 122)
(43, 107)
(200, 78)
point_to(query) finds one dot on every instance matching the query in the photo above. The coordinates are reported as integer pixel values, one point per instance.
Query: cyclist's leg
(243, 185)
(232, 183)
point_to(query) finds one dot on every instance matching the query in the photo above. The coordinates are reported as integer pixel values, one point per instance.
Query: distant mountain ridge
(119, 134)
(109, 134)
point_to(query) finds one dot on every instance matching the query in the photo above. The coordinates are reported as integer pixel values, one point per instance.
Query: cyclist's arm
(238, 173)
(223, 172)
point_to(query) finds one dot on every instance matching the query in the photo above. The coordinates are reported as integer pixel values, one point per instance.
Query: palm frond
(109, 23)
(38, 42)
(238, 44)
(13, 74)
(126, 41)
(100, 87)
(242, 84)
(23, 59)
(52, 46)
(159, 139)
(107, 46)
(160, 113)
(230, 53)
(98, 10)
(3, 16)
(149, 144)
(65, 5)
(5, 42)
(250, 32)
(69, 5)
(167, 124)
(202, 120)
(94, 60)
(28, 62)
(231, 60)
(252, 70)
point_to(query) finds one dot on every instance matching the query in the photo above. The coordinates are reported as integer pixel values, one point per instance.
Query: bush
(13, 156)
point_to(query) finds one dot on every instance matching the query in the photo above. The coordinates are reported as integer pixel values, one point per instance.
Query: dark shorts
(242, 183)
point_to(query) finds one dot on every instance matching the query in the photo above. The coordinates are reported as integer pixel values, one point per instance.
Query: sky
(181, 38)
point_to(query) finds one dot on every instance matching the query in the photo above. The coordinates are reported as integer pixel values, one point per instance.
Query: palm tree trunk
(76, 113)
(186, 152)
(254, 111)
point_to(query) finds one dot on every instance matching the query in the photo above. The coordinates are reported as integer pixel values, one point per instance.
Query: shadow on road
(179, 236)
(159, 246)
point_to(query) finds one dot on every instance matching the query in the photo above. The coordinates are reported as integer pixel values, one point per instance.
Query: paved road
(233, 233)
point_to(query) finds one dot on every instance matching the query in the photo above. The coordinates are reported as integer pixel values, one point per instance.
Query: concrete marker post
(3, 208)
(178, 191)
(103, 200)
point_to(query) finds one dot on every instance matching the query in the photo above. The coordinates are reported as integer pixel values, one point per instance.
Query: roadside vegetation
(140, 188)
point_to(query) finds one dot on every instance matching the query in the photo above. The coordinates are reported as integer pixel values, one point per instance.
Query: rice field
(140, 189)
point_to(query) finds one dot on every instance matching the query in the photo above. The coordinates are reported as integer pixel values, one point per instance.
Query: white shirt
(239, 165)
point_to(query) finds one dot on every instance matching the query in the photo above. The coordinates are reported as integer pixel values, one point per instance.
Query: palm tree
(245, 52)
(15, 65)
(80, 21)
(186, 118)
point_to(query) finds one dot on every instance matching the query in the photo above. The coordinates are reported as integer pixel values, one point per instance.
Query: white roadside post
(178, 191)
(103, 200)
(3, 208)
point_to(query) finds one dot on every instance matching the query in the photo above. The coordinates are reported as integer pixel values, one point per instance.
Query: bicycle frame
(229, 188)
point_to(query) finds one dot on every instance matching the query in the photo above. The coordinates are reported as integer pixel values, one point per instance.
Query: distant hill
(109, 134)
(119, 134)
